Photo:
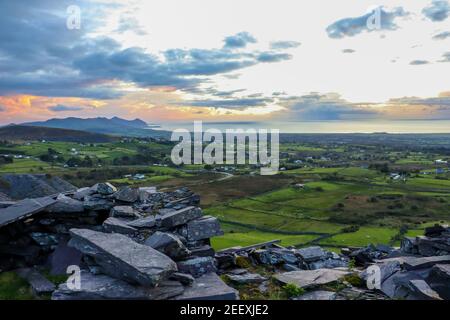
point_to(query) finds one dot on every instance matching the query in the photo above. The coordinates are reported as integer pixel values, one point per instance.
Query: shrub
(293, 290)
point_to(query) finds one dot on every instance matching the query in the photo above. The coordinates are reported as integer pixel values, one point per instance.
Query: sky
(252, 60)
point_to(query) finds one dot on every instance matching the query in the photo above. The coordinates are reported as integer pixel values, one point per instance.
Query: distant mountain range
(114, 126)
(32, 133)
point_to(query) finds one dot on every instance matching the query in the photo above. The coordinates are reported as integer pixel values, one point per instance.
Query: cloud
(348, 51)
(316, 106)
(2, 108)
(239, 40)
(349, 27)
(445, 57)
(128, 23)
(234, 103)
(276, 45)
(273, 57)
(63, 108)
(442, 36)
(419, 62)
(438, 10)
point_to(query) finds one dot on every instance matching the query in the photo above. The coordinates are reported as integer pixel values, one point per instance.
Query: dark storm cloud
(438, 10)
(349, 27)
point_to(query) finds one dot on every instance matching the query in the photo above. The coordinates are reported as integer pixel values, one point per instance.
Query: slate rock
(209, 287)
(24, 209)
(317, 295)
(66, 204)
(439, 280)
(202, 251)
(114, 225)
(97, 204)
(328, 264)
(122, 258)
(127, 194)
(39, 284)
(44, 239)
(143, 223)
(168, 244)
(246, 278)
(197, 266)
(311, 254)
(311, 278)
(124, 212)
(420, 290)
(414, 263)
(104, 188)
(81, 193)
(145, 193)
(62, 257)
(180, 217)
(184, 278)
(103, 287)
(202, 228)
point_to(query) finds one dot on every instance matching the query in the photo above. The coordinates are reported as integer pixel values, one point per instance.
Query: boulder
(168, 244)
(65, 204)
(184, 278)
(208, 287)
(414, 263)
(311, 278)
(127, 194)
(104, 188)
(124, 212)
(114, 225)
(202, 228)
(420, 290)
(202, 251)
(180, 217)
(122, 258)
(103, 287)
(197, 266)
(145, 193)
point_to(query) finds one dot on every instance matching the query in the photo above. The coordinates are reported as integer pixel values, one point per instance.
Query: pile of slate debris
(138, 243)
(132, 243)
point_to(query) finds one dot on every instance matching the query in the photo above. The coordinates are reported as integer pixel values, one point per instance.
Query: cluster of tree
(5, 160)
(381, 167)
(80, 162)
(52, 156)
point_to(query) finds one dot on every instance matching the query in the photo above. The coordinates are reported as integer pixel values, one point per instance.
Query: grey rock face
(104, 188)
(184, 278)
(103, 287)
(65, 204)
(127, 194)
(311, 278)
(122, 258)
(168, 244)
(197, 266)
(202, 228)
(209, 287)
(124, 212)
(439, 280)
(114, 225)
(24, 209)
(422, 291)
(246, 278)
(180, 217)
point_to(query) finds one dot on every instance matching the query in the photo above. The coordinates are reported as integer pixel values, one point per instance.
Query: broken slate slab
(81, 193)
(168, 244)
(180, 217)
(197, 266)
(246, 278)
(24, 209)
(97, 204)
(209, 287)
(114, 225)
(311, 254)
(317, 295)
(184, 278)
(65, 204)
(103, 287)
(202, 228)
(311, 278)
(142, 223)
(62, 257)
(127, 194)
(104, 188)
(414, 263)
(39, 284)
(122, 258)
(422, 291)
(439, 280)
(124, 212)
